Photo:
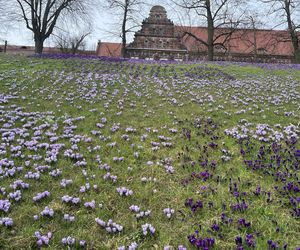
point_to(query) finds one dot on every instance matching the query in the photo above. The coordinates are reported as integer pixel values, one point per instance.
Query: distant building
(26, 50)
(257, 45)
(160, 39)
(157, 39)
(30, 50)
(109, 49)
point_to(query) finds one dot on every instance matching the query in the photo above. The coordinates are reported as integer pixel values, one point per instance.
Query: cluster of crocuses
(123, 191)
(65, 182)
(110, 226)
(168, 212)
(279, 160)
(4, 205)
(70, 242)
(70, 199)
(194, 205)
(69, 218)
(241, 206)
(49, 212)
(148, 228)
(249, 241)
(90, 204)
(17, 195)
(264, 132)
(55, 173)
(148, 179)
(134, 208)
(43, 240)
(34, 143)
(201, 242)
(40, 196)
(142, 214)
(6, 221)
(19, 184)
(132, 246)
(109, 176)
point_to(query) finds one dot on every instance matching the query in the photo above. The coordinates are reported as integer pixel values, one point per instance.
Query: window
(146, 43)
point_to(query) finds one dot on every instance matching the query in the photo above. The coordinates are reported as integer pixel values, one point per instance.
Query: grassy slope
(34, 79)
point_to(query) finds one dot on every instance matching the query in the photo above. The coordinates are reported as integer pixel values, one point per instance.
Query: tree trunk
(74, 48)
(123, 51)
(39, 45)
(210, 33)
(297, 55)
(295, 42)
(210, 44)
(293, 32)
(5, 46)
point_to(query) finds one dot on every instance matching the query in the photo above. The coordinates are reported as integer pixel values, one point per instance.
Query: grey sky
(102, 23)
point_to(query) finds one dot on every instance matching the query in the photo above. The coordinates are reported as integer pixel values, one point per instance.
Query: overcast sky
(102, 24)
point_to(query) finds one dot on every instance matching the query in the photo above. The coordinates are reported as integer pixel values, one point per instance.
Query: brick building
(160, 39)
(157, 38)
(109, 49)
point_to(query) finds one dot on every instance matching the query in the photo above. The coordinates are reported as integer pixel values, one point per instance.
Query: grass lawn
(111, 154)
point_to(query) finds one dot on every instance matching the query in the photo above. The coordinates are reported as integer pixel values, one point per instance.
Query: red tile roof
(243, 41)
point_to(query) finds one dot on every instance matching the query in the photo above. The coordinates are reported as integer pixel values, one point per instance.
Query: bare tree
(71, 43)
(252, 36)
(217, 14)
(289, 11)
(4, 26)
(127, 10)
(1, 11)
(42, 16)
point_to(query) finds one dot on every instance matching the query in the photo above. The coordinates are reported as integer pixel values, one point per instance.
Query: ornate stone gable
(157, 38)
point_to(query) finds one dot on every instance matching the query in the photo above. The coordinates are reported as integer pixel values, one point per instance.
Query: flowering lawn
(121, 154)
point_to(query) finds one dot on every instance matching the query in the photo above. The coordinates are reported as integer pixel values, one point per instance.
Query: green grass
(145, 94)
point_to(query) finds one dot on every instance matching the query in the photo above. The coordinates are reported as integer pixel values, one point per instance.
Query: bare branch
(218, 14)
(127, 10)
(70, 43)
(289, 11)
(41, 17)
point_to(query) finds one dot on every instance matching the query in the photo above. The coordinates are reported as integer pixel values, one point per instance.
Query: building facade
(157, 39)
(160, 39)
